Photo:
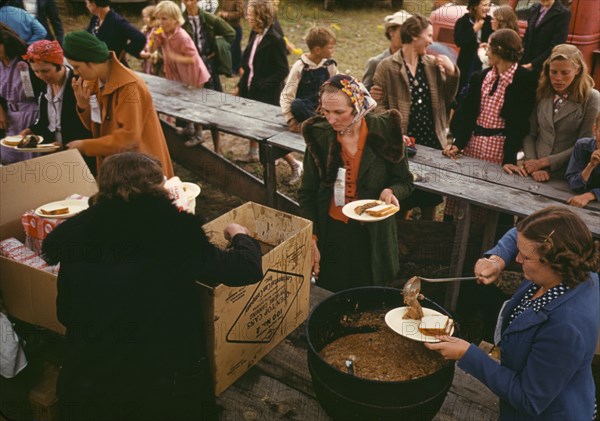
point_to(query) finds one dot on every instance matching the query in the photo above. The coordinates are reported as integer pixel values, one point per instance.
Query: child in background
(583, 172)
(152, 62)
(299, 98)
(265, 67)
(181, 60)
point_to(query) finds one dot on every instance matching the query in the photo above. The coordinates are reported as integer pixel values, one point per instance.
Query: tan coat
(391, 76)
(129, 120)
(554, 136)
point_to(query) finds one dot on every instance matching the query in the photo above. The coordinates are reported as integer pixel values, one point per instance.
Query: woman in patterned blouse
(493, 118)
(422, 87)
(547, 332)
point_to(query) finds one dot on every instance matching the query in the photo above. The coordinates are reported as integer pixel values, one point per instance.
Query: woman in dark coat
(265, 66)
(265, 74)
(370, 150)
(547, 27)
(135, 345)
(471, 30)
(119, 35)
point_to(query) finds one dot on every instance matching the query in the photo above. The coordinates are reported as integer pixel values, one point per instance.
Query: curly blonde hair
(564, 242)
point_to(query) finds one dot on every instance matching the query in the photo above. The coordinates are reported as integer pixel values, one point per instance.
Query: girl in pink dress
(181, 59)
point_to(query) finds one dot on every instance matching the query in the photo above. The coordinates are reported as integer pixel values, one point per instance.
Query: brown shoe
(194, 141)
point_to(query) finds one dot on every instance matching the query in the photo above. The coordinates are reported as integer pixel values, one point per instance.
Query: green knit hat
(83, 46)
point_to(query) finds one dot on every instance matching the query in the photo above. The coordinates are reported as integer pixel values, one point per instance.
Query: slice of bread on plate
(382, 210)
(435, 325)
(58, 211)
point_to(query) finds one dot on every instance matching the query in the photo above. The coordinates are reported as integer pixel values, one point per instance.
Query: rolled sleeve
(577, 163)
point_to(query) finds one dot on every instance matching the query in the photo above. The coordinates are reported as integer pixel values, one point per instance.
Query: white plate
(75, 206)
(41, 148)
(13, 138)
(409, 328)
(348, 210)
(192, 190)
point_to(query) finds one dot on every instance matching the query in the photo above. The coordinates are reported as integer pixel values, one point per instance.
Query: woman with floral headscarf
(352, 155)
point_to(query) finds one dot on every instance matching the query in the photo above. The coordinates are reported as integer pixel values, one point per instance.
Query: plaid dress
(488, 148)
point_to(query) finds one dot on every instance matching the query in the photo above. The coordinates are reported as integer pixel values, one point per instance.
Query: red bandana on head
(44, 50)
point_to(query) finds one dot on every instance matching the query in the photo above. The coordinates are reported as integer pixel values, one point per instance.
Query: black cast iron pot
(346, 397)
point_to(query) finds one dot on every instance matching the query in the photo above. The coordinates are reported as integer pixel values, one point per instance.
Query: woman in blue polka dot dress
(547, 332)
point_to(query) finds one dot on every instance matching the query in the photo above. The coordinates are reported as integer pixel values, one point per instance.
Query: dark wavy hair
(506, 44)
(564, 242)
(14, 46)
(126, 175)
(472, 4)
(265, 11)
(101, 3)
(413, 27)
(506, 18)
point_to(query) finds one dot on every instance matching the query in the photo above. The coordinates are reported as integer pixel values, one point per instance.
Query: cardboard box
(245, 323)
(30, 294)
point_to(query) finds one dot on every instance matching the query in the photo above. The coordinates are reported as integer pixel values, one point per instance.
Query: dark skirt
(345, 256)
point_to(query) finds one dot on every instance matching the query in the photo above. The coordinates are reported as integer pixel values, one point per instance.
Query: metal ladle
(413, 286)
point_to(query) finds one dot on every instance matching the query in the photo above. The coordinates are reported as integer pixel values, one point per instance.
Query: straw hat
(397, 19)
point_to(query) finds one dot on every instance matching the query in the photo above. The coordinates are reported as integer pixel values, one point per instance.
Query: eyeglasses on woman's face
(527, 257)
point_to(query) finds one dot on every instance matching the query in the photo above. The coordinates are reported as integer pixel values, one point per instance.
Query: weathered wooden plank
(459, 408)
(217, 100)
(288, 363)
(256, 397)
(472, 389)
(493, 196)
(489, 231)
(293, 142)
(227, 122)
(318, 294)
(468, 399)
(459, 253)
(221, 172)
(487, 171)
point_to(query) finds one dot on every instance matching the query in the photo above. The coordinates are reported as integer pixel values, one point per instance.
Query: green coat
(215, 27)
(383, 165)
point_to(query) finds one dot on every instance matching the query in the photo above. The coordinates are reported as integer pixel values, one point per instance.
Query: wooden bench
(477, 169)
(230, 114)
(473, 182)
